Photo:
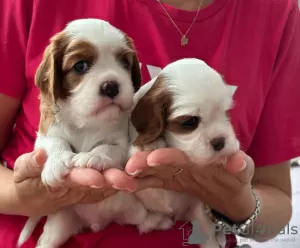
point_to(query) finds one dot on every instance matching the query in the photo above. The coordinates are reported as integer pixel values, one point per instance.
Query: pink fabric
(254, 44)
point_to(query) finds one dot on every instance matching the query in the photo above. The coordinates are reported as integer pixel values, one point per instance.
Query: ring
(177, 172)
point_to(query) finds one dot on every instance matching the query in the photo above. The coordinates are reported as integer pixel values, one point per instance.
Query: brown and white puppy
(87, 80)
(184, 107)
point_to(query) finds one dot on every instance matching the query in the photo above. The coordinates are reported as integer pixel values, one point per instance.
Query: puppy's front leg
(59, 227)
(59, 159)
(102, 157)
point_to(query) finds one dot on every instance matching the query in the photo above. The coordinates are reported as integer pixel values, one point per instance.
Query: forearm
(275, 213)
(8, 203)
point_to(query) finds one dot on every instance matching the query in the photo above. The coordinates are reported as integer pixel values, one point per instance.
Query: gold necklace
(184, 39)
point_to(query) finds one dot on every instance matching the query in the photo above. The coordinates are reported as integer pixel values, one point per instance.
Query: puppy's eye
(81, 66)
(191, 122)
(125, 63)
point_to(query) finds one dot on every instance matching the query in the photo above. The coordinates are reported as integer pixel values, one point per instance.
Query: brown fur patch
(149, 117)
(136, 75)
(48, 79)
(77, 50)
(55, 77)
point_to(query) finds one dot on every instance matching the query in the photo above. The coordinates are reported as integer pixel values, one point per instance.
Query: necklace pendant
(184, 40)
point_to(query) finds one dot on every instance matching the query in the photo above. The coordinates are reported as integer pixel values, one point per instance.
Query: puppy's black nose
(218, 143)
(109, 89)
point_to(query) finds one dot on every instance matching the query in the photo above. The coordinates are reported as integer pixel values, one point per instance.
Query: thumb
(241, 166)
(29, 165)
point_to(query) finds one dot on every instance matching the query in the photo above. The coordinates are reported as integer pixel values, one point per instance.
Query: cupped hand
(81, 186)
(226, 189)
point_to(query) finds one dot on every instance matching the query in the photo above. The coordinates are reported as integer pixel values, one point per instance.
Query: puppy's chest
(85, 141)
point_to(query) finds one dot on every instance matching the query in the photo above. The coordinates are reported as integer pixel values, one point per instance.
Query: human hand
(81, 186)
(226, 189)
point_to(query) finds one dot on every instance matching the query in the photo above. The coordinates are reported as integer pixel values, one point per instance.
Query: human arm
(7, 116)
(272, 184)
(227, 189)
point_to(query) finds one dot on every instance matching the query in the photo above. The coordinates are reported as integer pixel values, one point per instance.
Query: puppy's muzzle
(109, 89)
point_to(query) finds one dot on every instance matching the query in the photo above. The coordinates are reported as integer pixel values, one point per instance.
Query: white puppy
(87, 79)
(185, 107)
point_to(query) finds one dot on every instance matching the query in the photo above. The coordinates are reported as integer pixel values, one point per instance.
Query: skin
(187, 5)
(213, 185)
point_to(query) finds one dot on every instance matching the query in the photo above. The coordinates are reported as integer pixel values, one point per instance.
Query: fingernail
(96, 186)
(243, 167)
(36, 164)
(116, 187)
(126, 190)
(153, 164)
(134, 173)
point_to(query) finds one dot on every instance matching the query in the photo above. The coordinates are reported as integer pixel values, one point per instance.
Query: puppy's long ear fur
(49, 75)
(136, 75)
(149, 115)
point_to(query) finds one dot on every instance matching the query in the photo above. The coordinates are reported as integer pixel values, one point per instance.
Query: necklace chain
(184, 39)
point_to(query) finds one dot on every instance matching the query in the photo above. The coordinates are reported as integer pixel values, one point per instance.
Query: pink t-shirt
(254, 44)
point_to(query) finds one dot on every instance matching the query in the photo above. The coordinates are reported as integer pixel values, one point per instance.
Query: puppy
(87, 80)
(184, 107)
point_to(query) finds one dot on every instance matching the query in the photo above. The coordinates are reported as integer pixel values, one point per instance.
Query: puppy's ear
(49, 75)
(136, 75)
(149, 117)
(231, 88)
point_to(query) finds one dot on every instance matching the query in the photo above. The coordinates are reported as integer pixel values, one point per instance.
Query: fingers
(29, 165)
(120, 180)
(241, 166)
(137, 163)
(85, 177)
(170, 157)
(164, 156)
(94, 179)
(245, 175)
(149, 182)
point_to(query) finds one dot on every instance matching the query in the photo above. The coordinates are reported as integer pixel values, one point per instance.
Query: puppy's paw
(56, 168)
(45, 241)
(155, 221)
(99, 226)
(91, 160)
(46, 246)
(165, 224)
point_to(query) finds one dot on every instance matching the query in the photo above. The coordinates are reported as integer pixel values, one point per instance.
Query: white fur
(197, 90)
(85, 100)
(91, 131)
